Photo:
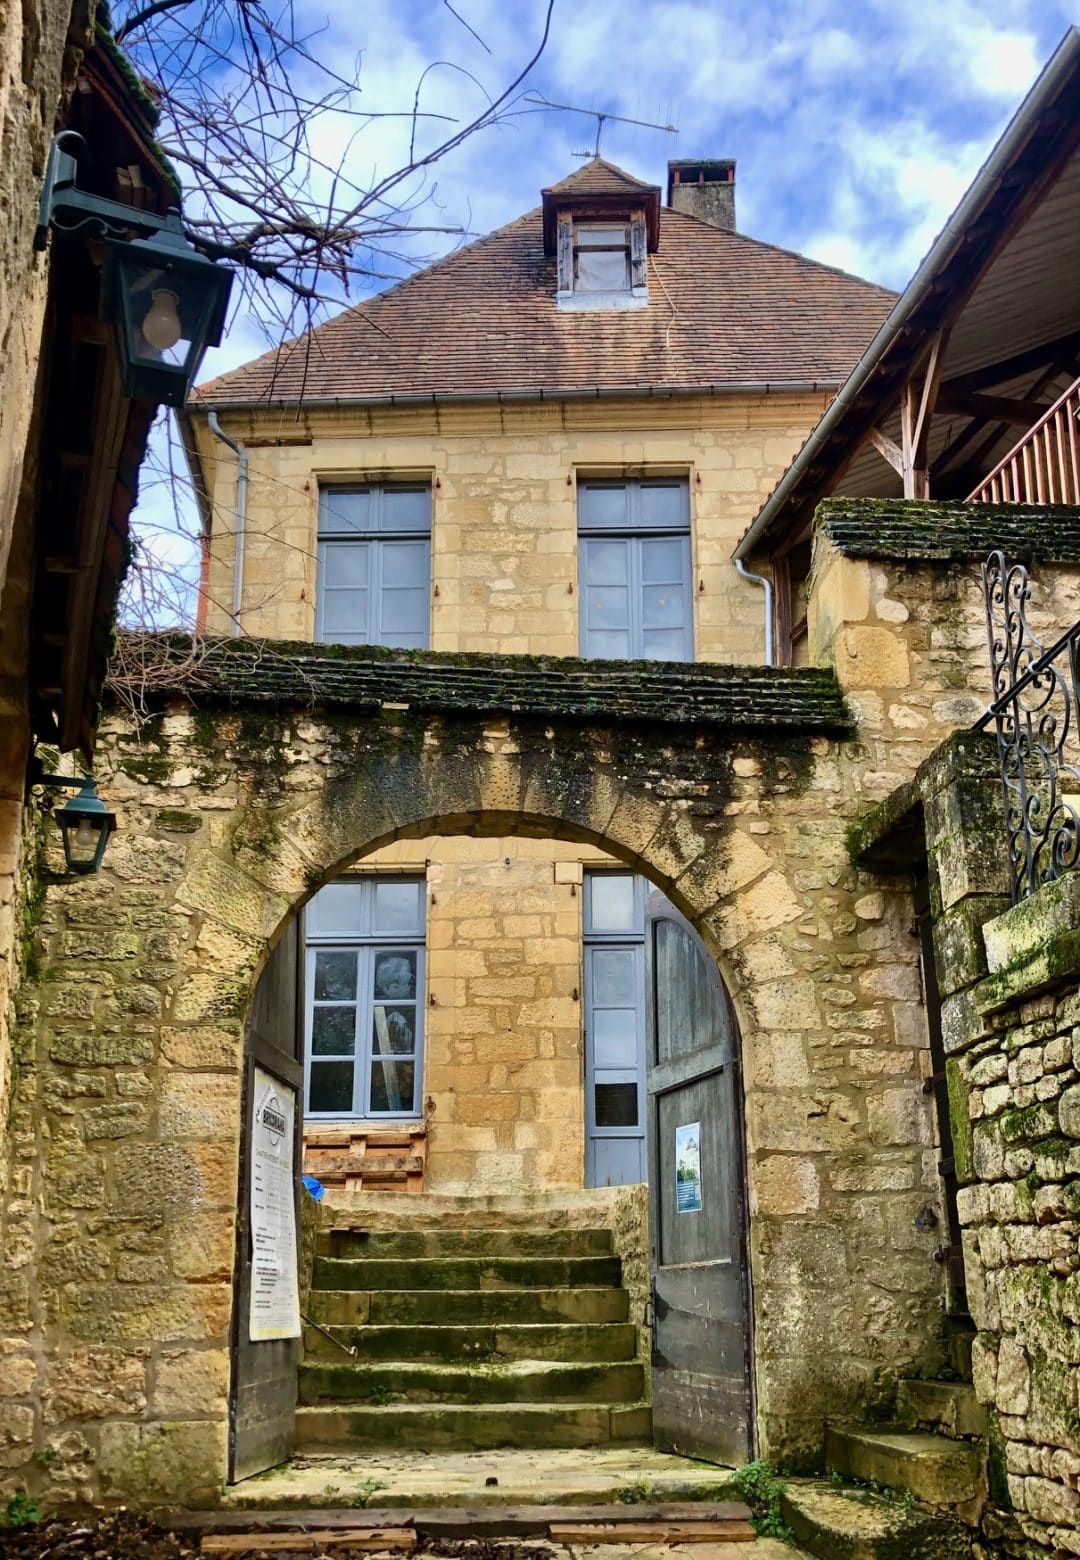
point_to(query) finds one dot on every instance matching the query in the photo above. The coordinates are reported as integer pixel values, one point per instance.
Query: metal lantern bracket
(152, 273)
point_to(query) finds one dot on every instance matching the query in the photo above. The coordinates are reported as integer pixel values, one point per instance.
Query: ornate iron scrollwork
(1035, 704)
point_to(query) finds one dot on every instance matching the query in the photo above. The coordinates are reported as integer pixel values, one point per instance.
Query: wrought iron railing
(1044, 467)
(1035, 712)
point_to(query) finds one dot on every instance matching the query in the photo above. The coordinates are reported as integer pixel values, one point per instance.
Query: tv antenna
(602, 118)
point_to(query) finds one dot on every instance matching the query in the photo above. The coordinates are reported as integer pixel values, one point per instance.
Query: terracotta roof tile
(599, 177)
(723, 309)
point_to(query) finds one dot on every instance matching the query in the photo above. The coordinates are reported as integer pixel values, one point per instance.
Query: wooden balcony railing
(1044, 468)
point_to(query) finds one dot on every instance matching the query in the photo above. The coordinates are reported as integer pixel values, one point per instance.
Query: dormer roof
(600, 189)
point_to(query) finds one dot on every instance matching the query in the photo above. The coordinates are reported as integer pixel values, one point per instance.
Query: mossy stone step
(465, 1273)
(471, 1427)
(467, 1307)
(839, 1524)
(935, 1468)
(535, 1341)
(504, 1381)
(948, 1406)
(412, 1244)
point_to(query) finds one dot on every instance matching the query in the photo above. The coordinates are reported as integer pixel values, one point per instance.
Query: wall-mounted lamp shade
(168, 304)
(85, 826)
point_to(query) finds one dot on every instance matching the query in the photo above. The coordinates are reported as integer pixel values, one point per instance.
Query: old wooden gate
(262, 1405)
(701, 1378)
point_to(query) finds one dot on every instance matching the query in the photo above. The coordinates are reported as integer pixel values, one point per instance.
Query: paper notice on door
(688, 1168)
(275, 1295)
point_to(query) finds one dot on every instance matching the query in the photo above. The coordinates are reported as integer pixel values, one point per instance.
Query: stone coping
(158, 669)
(935, 531)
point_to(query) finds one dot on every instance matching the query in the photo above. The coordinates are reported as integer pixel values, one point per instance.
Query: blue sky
(856, 126)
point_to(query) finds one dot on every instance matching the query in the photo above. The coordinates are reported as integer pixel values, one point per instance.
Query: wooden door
(701, 1380)
(262, 1405)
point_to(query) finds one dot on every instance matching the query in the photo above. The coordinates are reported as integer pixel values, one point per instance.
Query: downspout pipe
(766, 585)
(241, 519)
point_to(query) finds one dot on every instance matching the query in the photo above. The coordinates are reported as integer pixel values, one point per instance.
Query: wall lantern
(86, 824)
(166, 300)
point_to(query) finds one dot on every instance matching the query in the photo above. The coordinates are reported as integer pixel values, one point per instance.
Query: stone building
(801, 851)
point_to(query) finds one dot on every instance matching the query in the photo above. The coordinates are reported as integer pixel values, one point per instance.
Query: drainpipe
(767, 586)
(241, 516)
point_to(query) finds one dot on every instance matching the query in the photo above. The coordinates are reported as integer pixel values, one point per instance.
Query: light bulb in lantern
(86, 835)
(161, 324)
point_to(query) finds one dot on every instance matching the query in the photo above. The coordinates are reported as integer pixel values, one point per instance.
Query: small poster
(688, 1168)
(275, 1294)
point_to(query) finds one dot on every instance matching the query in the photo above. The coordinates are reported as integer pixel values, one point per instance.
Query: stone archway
(234, 811)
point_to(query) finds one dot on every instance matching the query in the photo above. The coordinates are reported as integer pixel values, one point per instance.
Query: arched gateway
(268, 773)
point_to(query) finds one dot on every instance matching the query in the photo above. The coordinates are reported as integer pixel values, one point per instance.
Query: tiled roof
(723, 309)
(599, 177)
(612, 693)
(944, 531)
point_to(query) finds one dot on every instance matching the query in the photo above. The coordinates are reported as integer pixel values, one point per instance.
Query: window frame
(595, 939)
(374, 536)
(636, 528)
(366, 943)
(594, 225)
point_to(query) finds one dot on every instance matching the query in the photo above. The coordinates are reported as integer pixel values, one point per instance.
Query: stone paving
(574, 1476)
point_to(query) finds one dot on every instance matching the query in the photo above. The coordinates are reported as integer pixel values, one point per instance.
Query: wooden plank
(354, 1538)
(651, 1533)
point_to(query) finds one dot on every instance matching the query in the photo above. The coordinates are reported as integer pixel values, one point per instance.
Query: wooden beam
(928, 401)
(1001, 408)
(652, 1533)
(887, 449)
(308, 1543)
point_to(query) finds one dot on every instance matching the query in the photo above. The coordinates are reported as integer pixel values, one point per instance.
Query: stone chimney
(705, 189)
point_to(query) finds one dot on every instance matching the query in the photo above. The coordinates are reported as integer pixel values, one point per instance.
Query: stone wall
(117, 1307)
(503, 1043)
(504, 507)
(40, 46)
(1010, 984)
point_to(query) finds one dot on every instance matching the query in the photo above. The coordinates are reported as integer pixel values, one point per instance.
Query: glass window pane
(602, 270)
(392, 1087)
(603, 505)
(345, 612)
(664, 644)
(404, 618)
(601, 235)
(404, 563)
(664, 503)
(406, 509)
(663, 562)
(331, 1086)
(608, 606)
(612, 901)
(398, 907)
(616, 1104)
(662, 606)
(395, 975)
(333, 1031)
(345, 511)
(335, 977)
(613, 977)
(344, 565)
(335, 910)
(607, 562)
(393, 1031)
(607, 645)
(615, 1037)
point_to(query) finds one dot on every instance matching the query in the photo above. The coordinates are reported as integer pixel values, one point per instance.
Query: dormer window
(601, 257)
(601, 225)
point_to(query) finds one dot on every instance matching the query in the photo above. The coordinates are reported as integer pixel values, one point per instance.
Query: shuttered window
(374, 566)
(634, 562)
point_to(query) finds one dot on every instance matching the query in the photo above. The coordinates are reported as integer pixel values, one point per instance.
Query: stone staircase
(468, 1340)
(931, 1455)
